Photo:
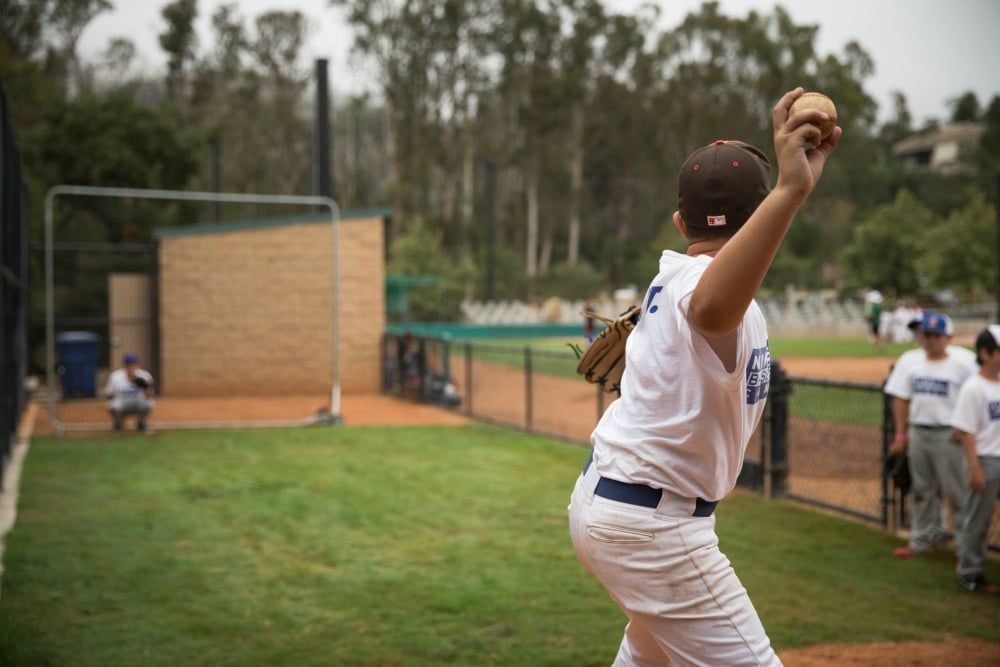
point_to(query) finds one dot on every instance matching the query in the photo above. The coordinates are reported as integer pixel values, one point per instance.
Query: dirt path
(355, 410)
(955, 652)
(852, 369)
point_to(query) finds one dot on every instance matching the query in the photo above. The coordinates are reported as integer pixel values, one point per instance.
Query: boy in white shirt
(695, 383)
(130, 390)
(977, 421)
(924, 388)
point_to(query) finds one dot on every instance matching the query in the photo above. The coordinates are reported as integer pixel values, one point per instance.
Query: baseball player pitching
(693, 390)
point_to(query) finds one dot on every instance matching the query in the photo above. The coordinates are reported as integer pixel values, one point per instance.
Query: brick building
(248, 308)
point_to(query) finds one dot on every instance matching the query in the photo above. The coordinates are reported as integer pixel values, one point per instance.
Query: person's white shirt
(683, 422)
(930, 386)
(977, 411)
(120, 386)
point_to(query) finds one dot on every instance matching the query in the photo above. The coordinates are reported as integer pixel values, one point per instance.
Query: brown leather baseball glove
(603, 361)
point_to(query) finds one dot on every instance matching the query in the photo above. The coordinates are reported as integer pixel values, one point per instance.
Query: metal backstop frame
(208, 197)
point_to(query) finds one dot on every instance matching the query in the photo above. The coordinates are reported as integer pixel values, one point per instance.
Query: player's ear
(681, 225)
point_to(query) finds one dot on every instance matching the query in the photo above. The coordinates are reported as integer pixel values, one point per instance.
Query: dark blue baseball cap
(130, 358)
(936, 323)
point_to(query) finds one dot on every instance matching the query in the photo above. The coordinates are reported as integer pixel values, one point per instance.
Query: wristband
(900, 437)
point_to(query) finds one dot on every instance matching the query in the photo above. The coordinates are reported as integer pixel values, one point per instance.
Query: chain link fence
(13, 287)
(821, 442)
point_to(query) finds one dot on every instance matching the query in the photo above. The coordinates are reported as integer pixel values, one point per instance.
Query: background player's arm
(977, 480)
(900, 419)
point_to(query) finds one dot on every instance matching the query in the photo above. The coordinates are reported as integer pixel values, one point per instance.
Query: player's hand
(800, 152)
(977, 480)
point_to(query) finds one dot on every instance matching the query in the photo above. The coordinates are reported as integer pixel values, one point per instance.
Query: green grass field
(391, 546)
(848, 405)
(554, 356)
(791, 347)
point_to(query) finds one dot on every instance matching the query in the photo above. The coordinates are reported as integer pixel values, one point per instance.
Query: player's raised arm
(730, 282)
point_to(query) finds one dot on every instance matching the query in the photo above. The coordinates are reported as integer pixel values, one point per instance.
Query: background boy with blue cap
(130, 389)
(924, 388)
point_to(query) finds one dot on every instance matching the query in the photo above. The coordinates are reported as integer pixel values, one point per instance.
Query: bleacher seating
(798, 317)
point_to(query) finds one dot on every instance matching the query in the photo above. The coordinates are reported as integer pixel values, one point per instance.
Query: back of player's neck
(704, 247)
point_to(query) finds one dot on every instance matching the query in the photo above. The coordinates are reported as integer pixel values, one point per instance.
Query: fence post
(527, 388)
(890, 519)
(778, 397)
(468, 377)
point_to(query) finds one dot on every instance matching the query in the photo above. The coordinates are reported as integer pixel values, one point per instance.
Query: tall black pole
(996, 196)
(322, 177)
(217, 177)
(491, 175)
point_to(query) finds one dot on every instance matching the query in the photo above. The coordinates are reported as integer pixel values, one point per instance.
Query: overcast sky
(930, 50)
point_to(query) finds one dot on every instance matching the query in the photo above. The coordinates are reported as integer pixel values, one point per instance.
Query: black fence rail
(13, 286)
(821, 442)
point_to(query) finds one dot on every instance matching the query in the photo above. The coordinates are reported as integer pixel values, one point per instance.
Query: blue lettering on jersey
(758, 374)
(653, 291)
(994, 408)
(931, 386)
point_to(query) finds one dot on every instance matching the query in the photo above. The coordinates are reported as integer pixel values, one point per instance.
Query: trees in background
(562, 123)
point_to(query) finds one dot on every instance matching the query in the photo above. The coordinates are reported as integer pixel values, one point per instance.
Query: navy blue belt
(640, 494)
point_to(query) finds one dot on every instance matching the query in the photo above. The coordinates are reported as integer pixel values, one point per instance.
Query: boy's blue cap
(130, 358)
(937, 323)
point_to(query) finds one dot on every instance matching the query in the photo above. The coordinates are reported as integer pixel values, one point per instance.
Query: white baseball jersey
(977, 411)
(683, 421)
(119, 386)
(918, 353)
(931, 387)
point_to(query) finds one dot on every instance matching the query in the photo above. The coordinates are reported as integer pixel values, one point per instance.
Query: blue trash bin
(77, 353)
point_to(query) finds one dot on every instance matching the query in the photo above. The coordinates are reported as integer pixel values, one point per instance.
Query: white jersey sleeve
(899, 382)
(683, 421)
(977, 411)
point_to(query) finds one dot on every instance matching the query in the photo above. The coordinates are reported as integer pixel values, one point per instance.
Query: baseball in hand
(821, 102)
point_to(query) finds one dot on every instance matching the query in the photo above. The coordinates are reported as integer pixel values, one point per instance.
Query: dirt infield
(355, 410)
(955, 652)
(853, 369)
(560, 402)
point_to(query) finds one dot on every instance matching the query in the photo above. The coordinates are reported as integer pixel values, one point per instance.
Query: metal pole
(322, 177)
(528, 396)
(996, 196)
(217, 177)
(491, 177)
(143, 193)
(779, 430)
(468, 377)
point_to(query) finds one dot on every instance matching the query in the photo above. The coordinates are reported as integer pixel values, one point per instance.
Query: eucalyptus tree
(68, 19)
(284, 146)
(624, 168)
(432, 62)
(581, 63)
(180, 42)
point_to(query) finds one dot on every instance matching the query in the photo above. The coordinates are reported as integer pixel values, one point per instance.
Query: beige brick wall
(249, 311)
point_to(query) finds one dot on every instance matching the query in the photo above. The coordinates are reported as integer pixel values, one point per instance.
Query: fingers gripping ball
(821, 102)
(603, 362)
